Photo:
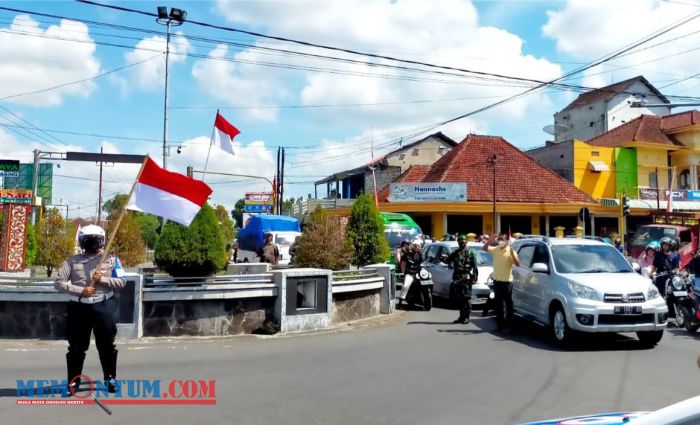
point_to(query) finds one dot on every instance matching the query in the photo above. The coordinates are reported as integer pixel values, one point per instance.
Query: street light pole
(176, 17)
(492, 162)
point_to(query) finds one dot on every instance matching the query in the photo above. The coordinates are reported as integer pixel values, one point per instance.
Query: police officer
(92, 306)
(465, 273)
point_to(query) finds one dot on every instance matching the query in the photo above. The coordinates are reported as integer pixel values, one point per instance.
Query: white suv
(587, 286)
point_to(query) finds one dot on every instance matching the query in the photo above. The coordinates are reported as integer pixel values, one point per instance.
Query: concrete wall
(596, 184)
(424, 153)
(558, 157)
(384, 176)
(355, 305)
(45, 320)
(620, 112)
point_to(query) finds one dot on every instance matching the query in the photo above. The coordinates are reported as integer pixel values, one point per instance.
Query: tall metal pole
(99, 198)
(493, 162)
(281, 184)
(35, 182)
(277, 183)
(165, 105)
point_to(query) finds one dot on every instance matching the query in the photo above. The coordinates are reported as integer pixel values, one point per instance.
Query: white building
(598, 111)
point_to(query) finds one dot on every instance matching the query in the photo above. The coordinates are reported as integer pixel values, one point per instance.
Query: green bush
(366, 233)
(30, 253)
(319, 245)
(198, 250)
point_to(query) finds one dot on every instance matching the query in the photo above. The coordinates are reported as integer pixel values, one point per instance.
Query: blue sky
(533, 39)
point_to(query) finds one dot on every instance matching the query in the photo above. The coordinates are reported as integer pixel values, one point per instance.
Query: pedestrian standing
(269, 253)
(465, 273)
(92, 306)
(504, 257)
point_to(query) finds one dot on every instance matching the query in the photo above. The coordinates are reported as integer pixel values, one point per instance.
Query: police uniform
(91, 314)
(463, 277)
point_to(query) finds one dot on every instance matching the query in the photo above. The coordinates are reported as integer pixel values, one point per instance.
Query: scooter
(421, 290)
(687, 302)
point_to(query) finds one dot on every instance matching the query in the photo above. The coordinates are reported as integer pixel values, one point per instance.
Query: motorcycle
(421, 290)
(686, 294)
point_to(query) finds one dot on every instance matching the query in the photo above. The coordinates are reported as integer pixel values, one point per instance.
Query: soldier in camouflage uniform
(464, 276)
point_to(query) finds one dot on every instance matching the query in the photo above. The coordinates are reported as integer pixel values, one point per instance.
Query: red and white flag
(166, 194)
(223, 134)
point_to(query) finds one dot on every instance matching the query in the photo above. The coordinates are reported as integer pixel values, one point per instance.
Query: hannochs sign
(428, 192)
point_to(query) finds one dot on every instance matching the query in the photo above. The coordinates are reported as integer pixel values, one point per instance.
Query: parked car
(442, 273)
(587, 286)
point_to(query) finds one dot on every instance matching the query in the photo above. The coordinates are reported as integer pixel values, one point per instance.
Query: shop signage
(428, 192)
(15, 196)
(678, 195)
(258, 202)
(9, 168)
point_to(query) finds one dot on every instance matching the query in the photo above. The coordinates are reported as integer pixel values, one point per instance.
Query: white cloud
(239, 82)
(35, 59)
(149, 74)
(446, 32)
(589, 29)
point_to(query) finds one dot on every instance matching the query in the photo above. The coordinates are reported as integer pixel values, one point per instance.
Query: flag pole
(113, 233)
(213, 129)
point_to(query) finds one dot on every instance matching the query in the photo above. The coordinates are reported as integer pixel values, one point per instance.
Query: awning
(598, 166)
(651, 205)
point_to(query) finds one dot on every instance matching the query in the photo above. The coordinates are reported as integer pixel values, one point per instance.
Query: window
(653, 182)
(402, 156)
(589, 259)
(541, 255)
(416, 151)
(684, 179)
(685, 236)
(441, 150)
(591, 124)
(525, 254)
(595, 153)
(432, 253)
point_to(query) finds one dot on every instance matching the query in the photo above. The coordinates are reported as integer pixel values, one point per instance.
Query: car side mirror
(540, 268)
(637, 268)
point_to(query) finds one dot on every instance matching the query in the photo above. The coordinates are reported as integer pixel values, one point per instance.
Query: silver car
(442, 273)
(586, 286)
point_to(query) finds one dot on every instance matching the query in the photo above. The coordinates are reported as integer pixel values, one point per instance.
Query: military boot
(74, 363)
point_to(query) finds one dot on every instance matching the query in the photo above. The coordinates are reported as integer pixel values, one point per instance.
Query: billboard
(9, 168)
(258, 203)
(428, 192)
(24, 180)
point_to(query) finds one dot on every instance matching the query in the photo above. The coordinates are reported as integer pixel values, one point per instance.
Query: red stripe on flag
(225, 126)
(157, 401)
(180, 185)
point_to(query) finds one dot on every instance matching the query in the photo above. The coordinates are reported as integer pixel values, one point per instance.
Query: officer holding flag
(92, 307)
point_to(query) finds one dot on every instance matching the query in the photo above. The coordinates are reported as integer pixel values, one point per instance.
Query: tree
(237, 213)
(55, 243)
(30, 253)
(227, 228)
(288, 206)
(323, 245)
(129, 242)
(197, 250)
(366, 233)
(149, 226)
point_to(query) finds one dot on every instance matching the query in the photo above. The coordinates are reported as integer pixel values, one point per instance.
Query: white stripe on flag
(223, 141)
(150, 200)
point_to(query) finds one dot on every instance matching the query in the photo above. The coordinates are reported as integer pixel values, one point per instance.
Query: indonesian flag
(166, 194)
(223, 134)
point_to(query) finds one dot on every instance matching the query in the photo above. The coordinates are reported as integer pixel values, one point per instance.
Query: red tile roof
(608, 92)
(519, 177)
(645, 128)
(680, 120)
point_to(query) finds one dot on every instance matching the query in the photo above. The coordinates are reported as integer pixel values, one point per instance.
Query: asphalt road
(418, 368)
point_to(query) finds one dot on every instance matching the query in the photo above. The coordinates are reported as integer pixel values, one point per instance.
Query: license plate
(680, 294)
(628, 309)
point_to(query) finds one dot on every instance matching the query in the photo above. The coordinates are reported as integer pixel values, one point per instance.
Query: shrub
(128, 242)
(30, 254)
(198, 250)
(366, 233)
(323, 244)
(55, 243)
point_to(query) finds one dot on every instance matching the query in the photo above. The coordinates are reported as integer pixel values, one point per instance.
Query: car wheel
(427, 299)
(691, 327)
(650, 338)
(561, 332)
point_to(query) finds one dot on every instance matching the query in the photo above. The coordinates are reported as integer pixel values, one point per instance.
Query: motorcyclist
(404, 248)
(663, 268)
(410, 264)
(675, 255)
(646, 258)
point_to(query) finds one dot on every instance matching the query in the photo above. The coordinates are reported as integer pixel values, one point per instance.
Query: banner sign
(15, 196)
(258, 197)
(258, 208)
(647, 194)
(678, 195)
(428, 192)
(9, 168)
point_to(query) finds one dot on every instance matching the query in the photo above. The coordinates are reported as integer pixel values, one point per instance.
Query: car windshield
(284, 239)
(589, 259)
(397, 234)
(647, 234)
(483, 258)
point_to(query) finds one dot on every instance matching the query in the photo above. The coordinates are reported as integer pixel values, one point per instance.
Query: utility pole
(99, 197)
(276, 189)
(35, 182)
(281, 184)
(492, 161)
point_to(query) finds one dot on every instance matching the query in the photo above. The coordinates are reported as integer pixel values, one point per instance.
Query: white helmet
(91, 232)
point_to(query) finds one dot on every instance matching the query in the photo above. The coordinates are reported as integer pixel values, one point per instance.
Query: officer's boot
(108, 359)
(74, 363)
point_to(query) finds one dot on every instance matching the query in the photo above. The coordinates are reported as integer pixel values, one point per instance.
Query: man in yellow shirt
(504, 257)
